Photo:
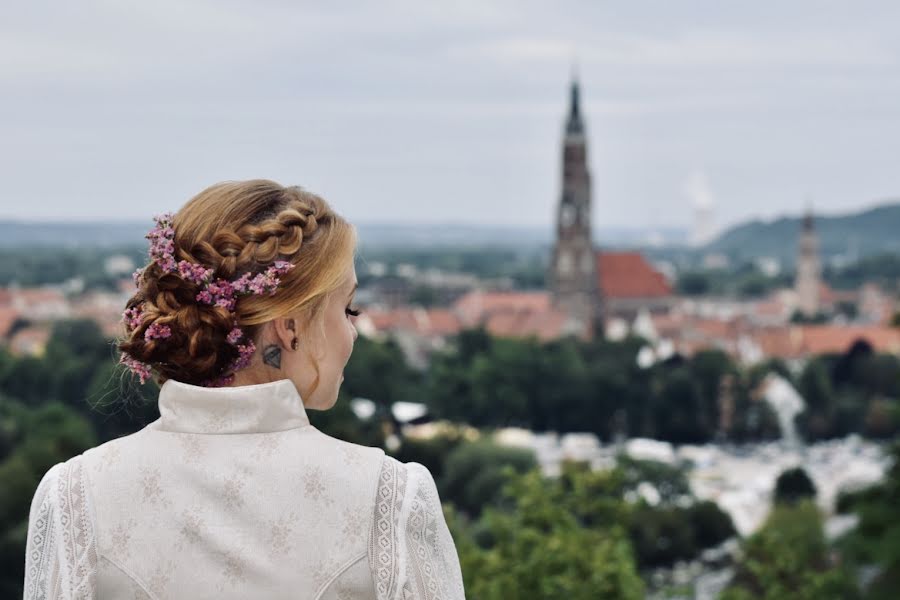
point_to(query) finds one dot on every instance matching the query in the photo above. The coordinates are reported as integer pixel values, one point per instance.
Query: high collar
(266, 407)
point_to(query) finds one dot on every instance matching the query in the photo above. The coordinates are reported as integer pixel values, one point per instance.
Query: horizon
(839, 213)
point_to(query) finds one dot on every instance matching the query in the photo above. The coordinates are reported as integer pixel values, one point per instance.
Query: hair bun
(236, 232)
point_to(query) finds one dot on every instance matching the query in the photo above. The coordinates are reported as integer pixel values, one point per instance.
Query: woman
(244, 314)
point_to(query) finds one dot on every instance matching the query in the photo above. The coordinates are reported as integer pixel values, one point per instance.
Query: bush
(794, 485)
(711, 524)
(788, 558)
(539, 550)
(474, 474)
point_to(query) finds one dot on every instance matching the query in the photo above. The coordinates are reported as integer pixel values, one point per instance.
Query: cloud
(434, 110)
(691, 50)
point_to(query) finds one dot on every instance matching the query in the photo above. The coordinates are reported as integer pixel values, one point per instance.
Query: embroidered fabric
(411, 555)
(411, 551)
(61, 551)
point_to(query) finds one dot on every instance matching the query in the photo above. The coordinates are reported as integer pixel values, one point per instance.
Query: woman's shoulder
(338, 452)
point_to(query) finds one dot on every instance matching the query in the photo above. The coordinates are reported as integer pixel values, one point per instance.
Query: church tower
(572, 274)
(809, 273)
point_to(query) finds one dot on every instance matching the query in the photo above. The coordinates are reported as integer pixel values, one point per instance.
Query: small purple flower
(219, 381)
(235, 335)
(132, 317)
(141, 369)
(226, 303)
(218, 292)
(193, 272)
(157, 331)
(245, 353)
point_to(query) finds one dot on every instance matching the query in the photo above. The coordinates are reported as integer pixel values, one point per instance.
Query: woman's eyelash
(352, 312)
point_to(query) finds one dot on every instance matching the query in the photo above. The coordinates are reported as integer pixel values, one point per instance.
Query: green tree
(539, 550)
(693, 283)
(876, 540)
(788, 558)
(794, 485)
(474, 473)
(43, 437)
(816, 388)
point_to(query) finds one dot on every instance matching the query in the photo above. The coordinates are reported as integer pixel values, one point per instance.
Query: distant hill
(873, 231)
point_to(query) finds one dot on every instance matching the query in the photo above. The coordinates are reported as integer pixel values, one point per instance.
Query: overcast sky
(410, 112)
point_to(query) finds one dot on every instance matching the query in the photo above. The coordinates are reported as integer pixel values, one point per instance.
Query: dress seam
(137, 581)
(340, 571)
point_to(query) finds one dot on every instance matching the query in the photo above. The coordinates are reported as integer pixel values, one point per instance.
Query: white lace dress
(231, 493)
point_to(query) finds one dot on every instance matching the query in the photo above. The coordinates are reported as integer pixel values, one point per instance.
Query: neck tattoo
(272, 356)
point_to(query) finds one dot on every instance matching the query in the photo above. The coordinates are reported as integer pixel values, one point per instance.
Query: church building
(594, 286)
(586, 288)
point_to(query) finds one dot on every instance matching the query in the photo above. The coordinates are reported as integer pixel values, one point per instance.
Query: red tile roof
(805, 340)
(545, 325)
(477, 305)
(8, 316)
(629, 275)
(441, 322)
(819, 339)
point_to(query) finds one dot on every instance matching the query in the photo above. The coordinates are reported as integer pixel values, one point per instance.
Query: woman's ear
(285, 331)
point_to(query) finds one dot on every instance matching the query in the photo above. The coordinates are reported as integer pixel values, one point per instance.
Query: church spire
(572, 274)
(574, 123)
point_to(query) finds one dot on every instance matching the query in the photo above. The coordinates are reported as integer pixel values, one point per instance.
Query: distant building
(703, 227)
(801, 341)
(808, 282)
(629, 284)
(594, 286)
(571, 274)
(29, 341)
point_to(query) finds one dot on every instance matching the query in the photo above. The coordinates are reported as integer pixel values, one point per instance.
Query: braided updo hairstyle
(234, 228)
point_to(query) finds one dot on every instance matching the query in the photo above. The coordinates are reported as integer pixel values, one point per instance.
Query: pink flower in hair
(193, 272)
(245, 353)
(132, 317)
(162, 243)
(213, 292)
(141, 369)
(235, 335)
(157, 331)
(219, 381)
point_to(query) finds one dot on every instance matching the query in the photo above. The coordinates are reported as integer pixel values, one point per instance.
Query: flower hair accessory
(213, 292)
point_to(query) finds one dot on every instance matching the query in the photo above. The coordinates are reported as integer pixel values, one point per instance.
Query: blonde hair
(238, 227)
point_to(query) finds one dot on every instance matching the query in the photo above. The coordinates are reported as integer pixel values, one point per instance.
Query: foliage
(74, 396)
(794, 485)
(857, 391)
(37, 266)
(876, 539)
(538, 549)
(788, 558)
(474, 473)
(38, 438)
(431, 452)
(507, 382)
(341, 422)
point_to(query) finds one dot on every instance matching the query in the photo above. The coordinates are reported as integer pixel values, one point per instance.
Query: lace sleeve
(411, 552)
(60, 554)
